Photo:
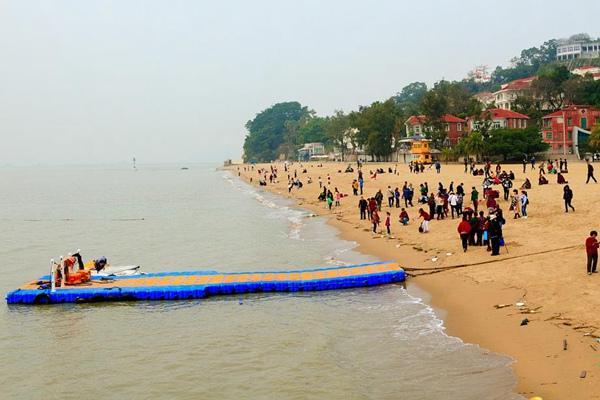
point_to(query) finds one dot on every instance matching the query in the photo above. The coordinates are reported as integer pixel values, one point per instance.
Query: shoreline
(541, 366)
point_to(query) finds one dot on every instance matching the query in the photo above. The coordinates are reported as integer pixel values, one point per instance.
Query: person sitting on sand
(404, 219)
(526, 184)
(560, 179)
(542, 180)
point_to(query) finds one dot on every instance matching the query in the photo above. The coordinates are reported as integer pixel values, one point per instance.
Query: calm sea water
(375, 343)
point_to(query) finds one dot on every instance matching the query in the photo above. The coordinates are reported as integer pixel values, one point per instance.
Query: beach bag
(501, 241)
(421, 227)
(485, 235)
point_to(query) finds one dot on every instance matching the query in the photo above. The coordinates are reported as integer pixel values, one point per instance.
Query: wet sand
(543, 266)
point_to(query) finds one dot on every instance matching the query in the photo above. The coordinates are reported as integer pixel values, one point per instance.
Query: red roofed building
(557, 128)
(455, 127)
(499, 118)
(508, 93)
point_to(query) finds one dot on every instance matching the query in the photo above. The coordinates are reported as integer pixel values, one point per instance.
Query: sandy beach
(542, 266)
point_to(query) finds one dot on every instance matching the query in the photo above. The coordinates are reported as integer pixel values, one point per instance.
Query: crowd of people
(479, 211)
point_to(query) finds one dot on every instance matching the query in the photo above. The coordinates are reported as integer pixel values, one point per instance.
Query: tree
(548, 87)
(593, 143)
(337, 128)
(472, 144)
(377, 126)
(513, 143)
(313, 129)
(266, 131)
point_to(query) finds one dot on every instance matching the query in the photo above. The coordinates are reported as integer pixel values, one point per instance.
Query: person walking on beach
(329, 199)
(591, 249)
(361, 183)
(524, 203)
(362, 206)
(424, 228)
(590, 172)
(438, 167)
(338, 196)
(568, 197)
(464, 230)
(524, 164)
(495, 234)
(474, 198)
(355, 187)
(379, 199)
(453, 201)
(388, 222)
(372, 207)
(397, 197)
(506, 185)
(375, 220)
(391, 196)
(515, 204)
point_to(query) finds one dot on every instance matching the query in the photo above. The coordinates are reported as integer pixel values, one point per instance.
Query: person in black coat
(568, 197)
(495, 234)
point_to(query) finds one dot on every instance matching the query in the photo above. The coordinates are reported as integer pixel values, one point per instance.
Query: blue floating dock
(201, 284)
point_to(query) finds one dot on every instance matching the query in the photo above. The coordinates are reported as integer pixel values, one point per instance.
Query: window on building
(447, 127)
(496, 124)
(549, 135)
(569, 121)
(459, 127)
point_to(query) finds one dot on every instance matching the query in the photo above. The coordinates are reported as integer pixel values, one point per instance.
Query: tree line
(284, 127)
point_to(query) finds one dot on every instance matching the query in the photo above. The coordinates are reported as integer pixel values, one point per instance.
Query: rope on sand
(435, 270)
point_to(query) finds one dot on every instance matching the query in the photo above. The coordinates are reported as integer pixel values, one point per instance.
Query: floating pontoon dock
(201, 284)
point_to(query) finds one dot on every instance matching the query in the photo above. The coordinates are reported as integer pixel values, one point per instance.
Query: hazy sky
(102, 81)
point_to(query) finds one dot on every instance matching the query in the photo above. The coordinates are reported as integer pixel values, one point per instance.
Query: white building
(573, 50)
(311, 150)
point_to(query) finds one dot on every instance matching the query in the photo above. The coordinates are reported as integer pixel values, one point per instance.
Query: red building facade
(454, 127)
(557, 128)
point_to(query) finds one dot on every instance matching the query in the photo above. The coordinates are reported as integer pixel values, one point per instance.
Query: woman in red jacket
(464, 229)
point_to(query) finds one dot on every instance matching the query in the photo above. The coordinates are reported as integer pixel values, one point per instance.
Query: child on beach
(404, 217)
(515, 204)
(388, 222)
(338, 196)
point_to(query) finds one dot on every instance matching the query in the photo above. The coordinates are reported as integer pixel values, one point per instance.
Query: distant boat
(184, 168)
(134, 167)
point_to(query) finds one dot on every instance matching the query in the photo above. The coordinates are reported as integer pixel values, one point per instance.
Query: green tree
(512, 144)
(593, 143)
(548, 87)
(266, 132)
(338, 131)
(314, 129)
(472, 145)
(377, 125)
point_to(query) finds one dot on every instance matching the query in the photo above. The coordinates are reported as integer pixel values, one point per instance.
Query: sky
(89, 82)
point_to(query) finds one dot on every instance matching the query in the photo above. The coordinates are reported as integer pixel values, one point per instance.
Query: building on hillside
(485, 98)
(480, 74)
(588, 69)
(508, 93)
(560, 127)
(311, 151)
(571, 50)
(455, 127)
(498, 118)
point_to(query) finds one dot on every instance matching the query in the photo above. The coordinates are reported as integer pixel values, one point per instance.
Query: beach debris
(535, 398)
(520, 304)
(434, 259)
(498, 306)
(524, 322)
(398, 246)
(583, 374)
(448, 254)
(593, 347)
(565, 345)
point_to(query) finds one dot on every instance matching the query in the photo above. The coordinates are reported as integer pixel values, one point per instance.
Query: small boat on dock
(129, 284)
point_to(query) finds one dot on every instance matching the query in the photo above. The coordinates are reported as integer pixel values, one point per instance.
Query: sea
(369, 343)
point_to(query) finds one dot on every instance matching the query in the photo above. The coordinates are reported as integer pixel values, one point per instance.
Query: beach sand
(543, 265)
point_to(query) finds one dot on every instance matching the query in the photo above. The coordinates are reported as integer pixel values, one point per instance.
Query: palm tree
(474, 144)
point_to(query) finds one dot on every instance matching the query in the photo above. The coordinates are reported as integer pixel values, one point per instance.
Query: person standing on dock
(591, 249)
